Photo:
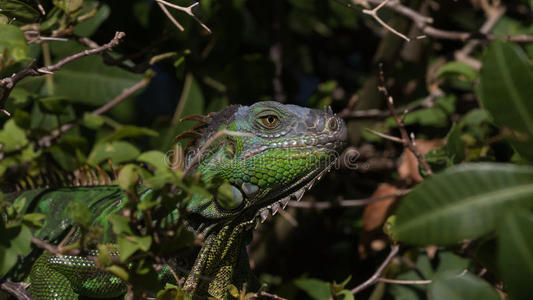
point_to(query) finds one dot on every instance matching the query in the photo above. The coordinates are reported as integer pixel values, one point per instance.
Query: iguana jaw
(307, 182)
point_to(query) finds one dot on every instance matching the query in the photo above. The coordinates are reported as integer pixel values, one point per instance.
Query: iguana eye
(270, 121)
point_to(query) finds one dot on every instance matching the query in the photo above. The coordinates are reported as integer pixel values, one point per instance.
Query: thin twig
(169, 15)
(404, 282)
(17, 289)
(407, 140)
(378, 114)
(374, 14)
(52, 248)
(113, 43)
(375, 277)
(46, 141)
(494, 14)
(266, 295)
(346, 203)
(423, 23)
(7, 84)
(187, 10)
(385, 136)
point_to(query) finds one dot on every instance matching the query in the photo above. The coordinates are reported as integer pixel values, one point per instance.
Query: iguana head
(274, 154)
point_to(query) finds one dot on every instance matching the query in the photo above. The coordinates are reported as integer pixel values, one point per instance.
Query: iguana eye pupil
(270, 121)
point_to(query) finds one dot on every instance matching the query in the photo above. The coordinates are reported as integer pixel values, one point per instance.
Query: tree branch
(423, 23)
(375, 277)
(407, 139)
(377, 114)
(17, 289)
(7, 84)
(187, 10)
(46, 141)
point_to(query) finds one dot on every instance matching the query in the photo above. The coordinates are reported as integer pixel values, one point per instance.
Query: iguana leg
(67, 276)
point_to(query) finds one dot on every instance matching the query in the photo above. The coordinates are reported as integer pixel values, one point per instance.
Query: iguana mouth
(270, 210)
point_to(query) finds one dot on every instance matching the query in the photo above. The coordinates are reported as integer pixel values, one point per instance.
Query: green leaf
(344, 295)
(34, 219)
(15, 241)
(21, 12)
(69, 6)
(12, 40)
(80, 213)
(89, 26)
(233, 290)
(154, 158)
(433, 116)
(505, 86)
(92, 121)
(120, 224)
(117, 152)
(191, 102)
(515, 253)
(467, 287)
(128, 177)
(119, 272)
(130, 131)
(88, 80)
(317, 289)
(104, 256)
(338, 287)
(127, 245)
(53, 105)
(12, 137)
(460, 68)
(463, 202)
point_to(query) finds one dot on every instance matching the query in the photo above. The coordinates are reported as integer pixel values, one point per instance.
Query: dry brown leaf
(376, 212)
(408, 168)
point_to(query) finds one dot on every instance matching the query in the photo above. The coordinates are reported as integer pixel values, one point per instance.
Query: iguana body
(280, 151)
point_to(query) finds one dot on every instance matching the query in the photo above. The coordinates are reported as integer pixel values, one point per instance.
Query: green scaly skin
(281, 151)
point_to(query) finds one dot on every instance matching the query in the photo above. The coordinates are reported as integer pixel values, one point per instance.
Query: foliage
(466, 228)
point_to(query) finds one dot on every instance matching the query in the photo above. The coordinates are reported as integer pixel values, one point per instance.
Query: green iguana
(283, 150)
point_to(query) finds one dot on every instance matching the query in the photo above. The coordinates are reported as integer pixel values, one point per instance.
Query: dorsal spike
(113, 171)
(103, 177)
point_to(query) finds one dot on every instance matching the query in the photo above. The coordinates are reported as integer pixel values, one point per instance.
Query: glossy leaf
(117, 152)
(80, 213)
(466, 287)
(130, 131)
(127, 245)
(12, 40)
(316, 289)
(463, 202)
(155, 158)
(460, 68)
(505, 86)
(515, 253)
(15, 241)
(18, 11)
(12, 137)
(88, 80)
(89, 26)
(92, 121)
(128, 176)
